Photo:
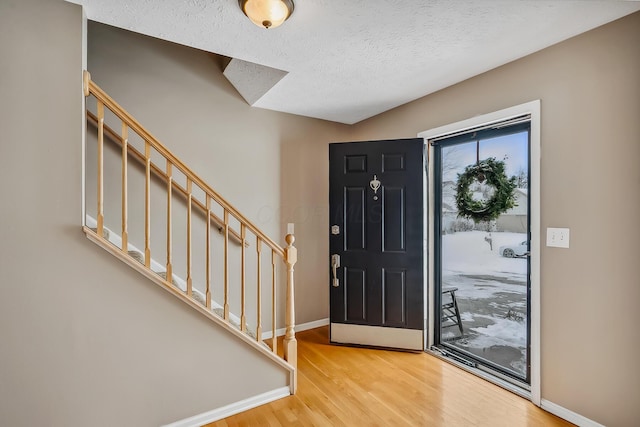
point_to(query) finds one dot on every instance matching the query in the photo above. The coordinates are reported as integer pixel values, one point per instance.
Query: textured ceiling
(350, 60)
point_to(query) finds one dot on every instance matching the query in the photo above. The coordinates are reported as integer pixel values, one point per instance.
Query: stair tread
(105, 232)
(138, 256)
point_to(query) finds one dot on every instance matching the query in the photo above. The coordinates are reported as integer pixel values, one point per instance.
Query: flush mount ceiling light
(267, 13)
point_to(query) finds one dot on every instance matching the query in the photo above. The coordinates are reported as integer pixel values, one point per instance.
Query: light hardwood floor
(346, 386)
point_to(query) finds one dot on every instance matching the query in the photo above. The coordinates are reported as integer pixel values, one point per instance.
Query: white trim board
(231, 409)
(568, 415)
(532, 108)
(83, 124)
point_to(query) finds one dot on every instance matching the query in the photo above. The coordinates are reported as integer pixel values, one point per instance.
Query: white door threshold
(377, 336)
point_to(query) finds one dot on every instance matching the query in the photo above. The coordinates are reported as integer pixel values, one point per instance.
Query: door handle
(335, 263)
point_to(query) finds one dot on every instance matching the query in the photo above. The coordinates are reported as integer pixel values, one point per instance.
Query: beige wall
(84, 339)
(589, 89)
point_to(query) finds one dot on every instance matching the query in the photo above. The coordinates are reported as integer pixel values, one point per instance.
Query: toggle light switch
(558, 237)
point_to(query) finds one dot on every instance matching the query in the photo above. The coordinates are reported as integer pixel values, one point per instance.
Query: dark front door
(376, 243)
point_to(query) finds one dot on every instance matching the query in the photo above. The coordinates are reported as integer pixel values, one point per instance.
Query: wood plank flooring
(346, 386)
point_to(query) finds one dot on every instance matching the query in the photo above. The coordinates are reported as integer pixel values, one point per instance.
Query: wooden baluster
(290, 343)
(125, 149)
(208, 262)
(243, 318)
(189, 205)
(169, 228)
(147, 205)
(226, 265)
(274, 344)
(100, 195)
(259, 290)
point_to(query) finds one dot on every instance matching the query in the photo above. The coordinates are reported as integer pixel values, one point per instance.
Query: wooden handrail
(288, 254)
(123, 115)
(138, 156)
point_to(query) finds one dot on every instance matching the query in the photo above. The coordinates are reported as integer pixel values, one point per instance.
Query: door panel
(393, 162)
(355, 286)
(355, 164)
(394, 294)
(354, 220)
(376, 203)
(393, 223)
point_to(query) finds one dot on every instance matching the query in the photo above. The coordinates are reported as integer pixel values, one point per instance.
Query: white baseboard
(232, 409)
(568, 415)
(299, 328)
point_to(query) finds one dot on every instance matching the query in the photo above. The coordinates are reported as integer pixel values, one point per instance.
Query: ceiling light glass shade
(267, 13)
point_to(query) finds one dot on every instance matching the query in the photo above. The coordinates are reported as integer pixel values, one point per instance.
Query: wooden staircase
(219, 291)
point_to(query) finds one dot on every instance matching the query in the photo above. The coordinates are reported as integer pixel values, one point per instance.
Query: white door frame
(532, 108)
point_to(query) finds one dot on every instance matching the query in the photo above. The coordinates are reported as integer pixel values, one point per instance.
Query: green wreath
(502, 200)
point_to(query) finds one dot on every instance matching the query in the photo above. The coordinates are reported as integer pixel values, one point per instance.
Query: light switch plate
(558, 237)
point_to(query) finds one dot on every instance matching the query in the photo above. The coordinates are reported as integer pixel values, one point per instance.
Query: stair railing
(172, 163)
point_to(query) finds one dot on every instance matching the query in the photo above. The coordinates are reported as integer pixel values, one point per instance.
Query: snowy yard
(492, 296)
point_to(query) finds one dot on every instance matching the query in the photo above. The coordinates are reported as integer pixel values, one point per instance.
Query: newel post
(290, 343)
(86, 78)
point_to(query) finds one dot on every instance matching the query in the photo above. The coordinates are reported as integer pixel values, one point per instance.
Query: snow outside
(491, 295)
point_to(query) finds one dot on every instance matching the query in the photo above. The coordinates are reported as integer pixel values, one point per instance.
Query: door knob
(335, 263)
